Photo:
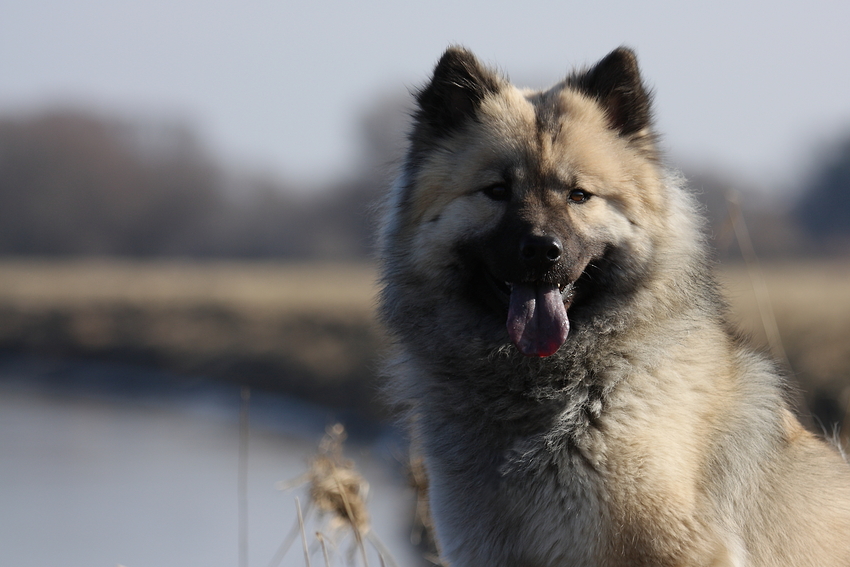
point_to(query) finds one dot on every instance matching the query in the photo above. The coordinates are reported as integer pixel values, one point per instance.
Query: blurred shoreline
(303, 329)
(308, 329)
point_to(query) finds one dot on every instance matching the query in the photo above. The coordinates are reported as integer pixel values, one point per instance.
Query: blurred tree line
(74, 182)
(77, 183)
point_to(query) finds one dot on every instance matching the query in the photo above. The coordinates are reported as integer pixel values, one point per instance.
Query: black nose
(540, 252)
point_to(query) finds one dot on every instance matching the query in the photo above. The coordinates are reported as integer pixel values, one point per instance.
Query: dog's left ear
(616, 84)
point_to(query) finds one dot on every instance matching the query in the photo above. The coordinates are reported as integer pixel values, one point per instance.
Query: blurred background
(187, 208)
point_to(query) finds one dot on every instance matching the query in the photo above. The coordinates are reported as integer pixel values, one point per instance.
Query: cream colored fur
(655, 436)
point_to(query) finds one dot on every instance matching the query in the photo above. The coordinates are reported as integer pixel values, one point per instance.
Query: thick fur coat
(562, 350)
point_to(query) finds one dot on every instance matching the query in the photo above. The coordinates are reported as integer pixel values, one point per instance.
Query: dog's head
(514, 199)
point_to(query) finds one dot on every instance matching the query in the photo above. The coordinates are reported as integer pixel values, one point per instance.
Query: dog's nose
(540, 251)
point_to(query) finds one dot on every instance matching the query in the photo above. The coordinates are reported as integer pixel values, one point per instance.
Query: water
(105, 465)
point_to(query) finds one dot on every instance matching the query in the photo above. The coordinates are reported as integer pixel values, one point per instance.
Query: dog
(562, 350)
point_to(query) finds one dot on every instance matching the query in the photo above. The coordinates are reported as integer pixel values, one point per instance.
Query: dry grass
(309, 327)
(811, 301)
(336, 488)
(263, 286)
(811, 304)
(338, 492)
(303, 328)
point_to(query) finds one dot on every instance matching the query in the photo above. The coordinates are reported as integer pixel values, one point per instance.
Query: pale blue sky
(750, 86)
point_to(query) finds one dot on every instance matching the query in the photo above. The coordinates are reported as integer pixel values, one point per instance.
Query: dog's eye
(579, 196)
(497, 192)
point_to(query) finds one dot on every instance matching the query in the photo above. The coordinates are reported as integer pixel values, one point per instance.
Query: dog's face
(509, 196)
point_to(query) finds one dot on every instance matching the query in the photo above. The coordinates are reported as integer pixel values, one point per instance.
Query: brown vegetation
(338, 493)
(811, 303)
(308, 328)
(305, 329)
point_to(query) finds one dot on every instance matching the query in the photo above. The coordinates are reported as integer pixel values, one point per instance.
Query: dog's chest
(530, 504)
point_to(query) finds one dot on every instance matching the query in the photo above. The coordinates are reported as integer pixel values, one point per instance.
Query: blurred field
(811, 303)
(306, 329)
(309, 328)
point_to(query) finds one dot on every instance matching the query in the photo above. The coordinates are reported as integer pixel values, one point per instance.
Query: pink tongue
(537, 319)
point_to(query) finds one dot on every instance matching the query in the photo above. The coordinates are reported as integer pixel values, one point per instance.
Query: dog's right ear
(455, 92)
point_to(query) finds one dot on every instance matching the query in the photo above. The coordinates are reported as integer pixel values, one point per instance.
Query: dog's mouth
(537, 314)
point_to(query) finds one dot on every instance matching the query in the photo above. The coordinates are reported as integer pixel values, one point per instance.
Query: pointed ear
(616, 83)
(455, 92)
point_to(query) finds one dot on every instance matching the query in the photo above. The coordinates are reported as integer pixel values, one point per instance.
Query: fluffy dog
(576, 391)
